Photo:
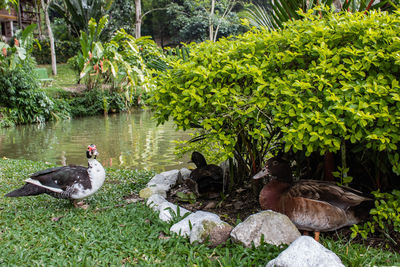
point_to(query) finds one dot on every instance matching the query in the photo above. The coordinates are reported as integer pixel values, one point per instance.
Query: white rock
(169, 210)
(160, 189)
(276, 228)
(154, 201)
(184, 226)
(216, 231)
(168, 179)
(185, 173)
(306, 252)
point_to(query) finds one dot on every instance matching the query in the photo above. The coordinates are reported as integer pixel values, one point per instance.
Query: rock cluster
(272, 227)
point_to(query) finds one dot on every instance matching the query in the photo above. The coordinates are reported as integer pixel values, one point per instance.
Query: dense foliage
(385, 218)
(21, 100)
(95, 102)
(121, 17)
(191, 20)
(273, 14)
(77, 14)
(65, 50)
(320, 84)
(168, 22)
(116, 65)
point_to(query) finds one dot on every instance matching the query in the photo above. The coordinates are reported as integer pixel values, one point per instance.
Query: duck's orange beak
(261, 174)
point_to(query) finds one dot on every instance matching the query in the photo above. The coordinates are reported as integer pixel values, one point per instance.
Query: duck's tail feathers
(362, 210)
(27, 190)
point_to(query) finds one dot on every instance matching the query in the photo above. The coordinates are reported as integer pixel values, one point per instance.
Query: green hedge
(64, 51)
(311, 87)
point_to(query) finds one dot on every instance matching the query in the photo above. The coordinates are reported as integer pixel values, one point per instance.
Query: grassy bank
(43, 231)
(66, 76)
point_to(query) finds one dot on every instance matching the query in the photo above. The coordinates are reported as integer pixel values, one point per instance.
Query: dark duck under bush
(207, 179)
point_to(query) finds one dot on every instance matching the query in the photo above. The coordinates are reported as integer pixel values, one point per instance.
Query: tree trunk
(138, 8)
(45, 7)
(329, 166)
(19, 15)
(37, 15)
(210, 21)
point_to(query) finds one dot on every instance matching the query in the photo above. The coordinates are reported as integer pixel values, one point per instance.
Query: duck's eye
(275, 162)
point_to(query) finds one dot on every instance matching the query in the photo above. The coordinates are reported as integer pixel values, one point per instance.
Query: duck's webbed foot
(316, 236)
(80, 204)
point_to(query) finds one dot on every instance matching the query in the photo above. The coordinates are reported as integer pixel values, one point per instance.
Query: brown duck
(312, 205)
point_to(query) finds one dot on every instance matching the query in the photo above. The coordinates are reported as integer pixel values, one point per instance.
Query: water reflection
(123, 140)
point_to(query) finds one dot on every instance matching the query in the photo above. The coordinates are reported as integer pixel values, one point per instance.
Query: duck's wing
(208, 172)
(60, 178)
(216, 172)
(314, 215)
(342, 197)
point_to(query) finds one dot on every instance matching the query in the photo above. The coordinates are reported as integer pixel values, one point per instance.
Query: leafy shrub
(21, 100)
(20, 93)
(152, 55)
(96, 102)
(311, 87)
(65, 50)
(385, 217)
(116, 64)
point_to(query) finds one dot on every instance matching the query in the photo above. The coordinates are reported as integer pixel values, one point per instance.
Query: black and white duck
(67, 182)
(207, 179)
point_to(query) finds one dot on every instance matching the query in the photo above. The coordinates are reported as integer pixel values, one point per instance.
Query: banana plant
(7, 3)
(116, 64)
(77, 14)
(13, 56)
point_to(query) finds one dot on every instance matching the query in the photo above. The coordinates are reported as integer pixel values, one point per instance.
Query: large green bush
(385, 218)
(21, 99)
(64, 50)
(116, 66)
(95, 102)
(316, 86)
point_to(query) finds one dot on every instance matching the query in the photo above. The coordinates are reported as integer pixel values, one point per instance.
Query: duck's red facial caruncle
(92, 151)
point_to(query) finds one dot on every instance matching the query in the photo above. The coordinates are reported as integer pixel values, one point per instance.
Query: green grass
(110, 235)
(66, 77)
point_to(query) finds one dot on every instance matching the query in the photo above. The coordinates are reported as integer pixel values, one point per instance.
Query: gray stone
(217, 232)
(168, 179)
(306, 252)
(154, 201)
(184, 226)
(169, 210)
(275, 227)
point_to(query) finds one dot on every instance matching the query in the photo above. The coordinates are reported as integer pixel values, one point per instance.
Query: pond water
(129, 140)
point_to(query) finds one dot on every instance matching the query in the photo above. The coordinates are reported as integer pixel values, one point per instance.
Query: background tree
(138, 14)
(120, 17)
(45, 6)
(215, 21)
(192, 20)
